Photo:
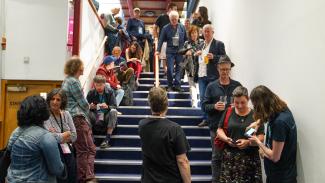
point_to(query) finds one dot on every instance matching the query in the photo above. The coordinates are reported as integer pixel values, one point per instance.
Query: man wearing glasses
(216, 100)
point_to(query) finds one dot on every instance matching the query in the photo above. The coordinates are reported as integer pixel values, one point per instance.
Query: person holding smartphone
(240, 158)
(280, 147)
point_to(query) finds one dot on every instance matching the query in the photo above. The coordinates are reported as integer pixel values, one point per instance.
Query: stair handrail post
(156, 61)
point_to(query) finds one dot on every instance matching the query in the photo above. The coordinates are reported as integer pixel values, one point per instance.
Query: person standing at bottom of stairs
(215, 107)
(164, 144)
(78, 107)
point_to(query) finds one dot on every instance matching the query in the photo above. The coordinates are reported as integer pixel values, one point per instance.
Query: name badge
(100, 116)
(140, 30)
(175, 41)
(65, 148)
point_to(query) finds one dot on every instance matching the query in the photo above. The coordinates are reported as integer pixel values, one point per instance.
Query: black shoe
(203, 123)
(178, 89)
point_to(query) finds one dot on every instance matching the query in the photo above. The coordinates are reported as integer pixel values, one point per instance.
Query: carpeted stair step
(150, 75)
(147, 87)
(189, 130)
(134, 153)
(132, 178)
(181, 120)
(171, 102)
(171, 95)
(145, 110)
(162, 81)
(134, 141)
(134, 166)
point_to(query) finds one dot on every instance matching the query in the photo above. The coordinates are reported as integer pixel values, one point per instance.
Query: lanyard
(101, 99)
(57, 122)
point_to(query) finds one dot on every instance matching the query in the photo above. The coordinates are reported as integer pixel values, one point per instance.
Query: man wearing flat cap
(135, 27)
(221, 88)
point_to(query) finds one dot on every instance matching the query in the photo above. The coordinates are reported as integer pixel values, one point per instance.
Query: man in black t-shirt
(164, 144)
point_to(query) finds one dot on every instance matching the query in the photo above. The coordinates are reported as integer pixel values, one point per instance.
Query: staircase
(122, 162)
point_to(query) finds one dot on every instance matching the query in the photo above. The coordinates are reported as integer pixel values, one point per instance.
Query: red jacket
(109, 75)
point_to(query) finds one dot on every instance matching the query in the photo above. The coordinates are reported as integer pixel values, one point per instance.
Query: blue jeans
(174, 59)
(118, 93)
(203, 83)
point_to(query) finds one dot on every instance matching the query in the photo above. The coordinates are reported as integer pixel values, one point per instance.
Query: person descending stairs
(122, 161)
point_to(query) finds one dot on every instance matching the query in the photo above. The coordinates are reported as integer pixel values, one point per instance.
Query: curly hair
(266, 103)
(33, 111)
(72, 66)
(158, 100)
(61, 93)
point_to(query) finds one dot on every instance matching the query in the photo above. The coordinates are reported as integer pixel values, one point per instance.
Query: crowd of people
(60, 128)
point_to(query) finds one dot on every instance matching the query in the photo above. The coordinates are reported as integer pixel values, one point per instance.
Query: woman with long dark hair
(133, 58)
(280, 147)
(203, 17)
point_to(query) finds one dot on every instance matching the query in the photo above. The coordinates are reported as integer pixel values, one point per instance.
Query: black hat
(225, 59)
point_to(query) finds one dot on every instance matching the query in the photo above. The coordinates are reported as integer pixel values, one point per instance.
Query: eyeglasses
(224, 69)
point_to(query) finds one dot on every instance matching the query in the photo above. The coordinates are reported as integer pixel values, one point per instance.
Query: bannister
(156, 66)
(92, 42)
(94, 66)
(94, 9)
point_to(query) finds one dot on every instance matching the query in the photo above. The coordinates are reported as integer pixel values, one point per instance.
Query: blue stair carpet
(122, 161)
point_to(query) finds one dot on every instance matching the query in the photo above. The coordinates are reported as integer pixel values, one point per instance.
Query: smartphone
(233, 141)
(250, 132)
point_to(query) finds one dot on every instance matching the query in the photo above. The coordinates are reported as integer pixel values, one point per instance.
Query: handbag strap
(226, 121)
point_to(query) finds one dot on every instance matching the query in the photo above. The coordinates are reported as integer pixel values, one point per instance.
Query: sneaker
(137, 83)
(104, 144)
(203, 123)
(178, 89)
(119, 113)
(169, 89)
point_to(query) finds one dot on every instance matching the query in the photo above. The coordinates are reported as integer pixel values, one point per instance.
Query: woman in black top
(203, 18)
(240, 160)
(280, 147)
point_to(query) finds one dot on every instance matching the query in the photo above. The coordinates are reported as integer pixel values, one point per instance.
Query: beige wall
(281, 44)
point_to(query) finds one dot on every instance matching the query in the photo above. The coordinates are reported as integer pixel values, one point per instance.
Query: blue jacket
(35, 156)
(167, 34)
(133, 27)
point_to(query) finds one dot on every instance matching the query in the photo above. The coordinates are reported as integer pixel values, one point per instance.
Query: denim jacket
(35, 156)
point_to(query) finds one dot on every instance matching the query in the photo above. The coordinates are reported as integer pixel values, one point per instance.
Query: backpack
(128, 95)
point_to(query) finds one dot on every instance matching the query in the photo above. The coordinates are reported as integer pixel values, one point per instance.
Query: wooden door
(15, 93)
